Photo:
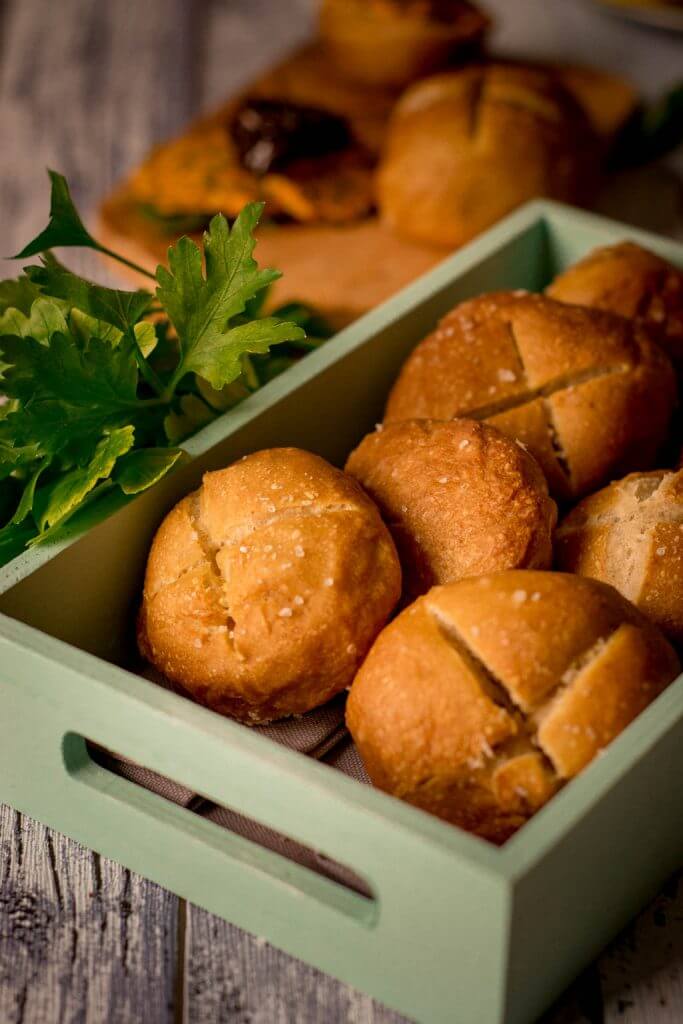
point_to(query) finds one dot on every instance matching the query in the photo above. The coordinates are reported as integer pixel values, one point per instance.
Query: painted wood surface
(86, 88)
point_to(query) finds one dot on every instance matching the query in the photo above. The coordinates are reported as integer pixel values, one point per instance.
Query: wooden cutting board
(342, 270)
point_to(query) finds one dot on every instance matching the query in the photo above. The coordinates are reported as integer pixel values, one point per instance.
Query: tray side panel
(432, 943)
(571, 902)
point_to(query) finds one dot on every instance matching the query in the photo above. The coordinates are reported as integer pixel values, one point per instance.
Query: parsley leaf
(67, 494)
(65, 228)
(18, 293)
(90, 387)
(121, 309)
(86, 327)
(201, 307)
(138, 470)
(44, 319)
(99, 377)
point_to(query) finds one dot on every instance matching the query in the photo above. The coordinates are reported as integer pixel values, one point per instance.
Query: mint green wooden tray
(457, 930)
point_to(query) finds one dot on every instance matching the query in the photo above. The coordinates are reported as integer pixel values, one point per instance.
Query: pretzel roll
(485, 696)
(633, 282)
(589, 393)
(266, 587)
(460, 499)
(630, 534)
(465, 147)
(391, 42)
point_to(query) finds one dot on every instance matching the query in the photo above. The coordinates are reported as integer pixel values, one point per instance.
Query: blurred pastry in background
(633, 282)
(466, 147)
(393, 42)
(304, 161)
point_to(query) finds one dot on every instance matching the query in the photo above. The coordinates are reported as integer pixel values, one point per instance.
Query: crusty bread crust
(588, 392)
(630, 534)
(633, 282)
(460, 499)
(265, 588)
(484, 696)
(465, 147)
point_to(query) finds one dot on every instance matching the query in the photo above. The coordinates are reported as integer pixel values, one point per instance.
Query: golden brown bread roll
(633, 282)
(265, 588)
(392, 42)
(465, 147)
(485, 696)
(587, 392)
(459, 497)
(630, 534)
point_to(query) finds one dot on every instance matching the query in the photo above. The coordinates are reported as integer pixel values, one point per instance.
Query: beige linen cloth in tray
(320, 734)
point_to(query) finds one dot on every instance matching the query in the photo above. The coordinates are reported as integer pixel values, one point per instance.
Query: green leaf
(69, 491)
(191, 416)
(18, 293)
(10, 493)
(65, 227)
(100, 377)
(309, 319)
(225, 398)
(123, 309)
(220, 360)
(13, 457)
(201, 307)
(44, 319)
(141, 469)
(13, 540)
(68, 396)
(273, 367)
(86, 327)
(26, 502)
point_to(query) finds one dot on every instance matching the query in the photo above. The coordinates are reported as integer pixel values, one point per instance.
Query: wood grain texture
(86, 88)
(81, 939)
(257, 984)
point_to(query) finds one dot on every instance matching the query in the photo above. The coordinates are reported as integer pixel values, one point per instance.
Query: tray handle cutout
(240, 838)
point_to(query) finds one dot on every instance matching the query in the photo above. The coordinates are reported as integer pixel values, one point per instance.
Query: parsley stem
(128, 263)
(148, 373)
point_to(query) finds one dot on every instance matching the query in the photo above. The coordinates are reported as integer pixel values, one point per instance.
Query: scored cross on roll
(485, 696)
(589, 393)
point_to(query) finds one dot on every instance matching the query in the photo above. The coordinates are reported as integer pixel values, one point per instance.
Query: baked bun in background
(392, 42)
(589, 393)
(459, 497)
(630, 534)
(265, 588)
(483, 697)
(465, 147)
(633, 282)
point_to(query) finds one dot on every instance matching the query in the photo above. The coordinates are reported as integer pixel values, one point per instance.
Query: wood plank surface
(81, 939)
(86, 88)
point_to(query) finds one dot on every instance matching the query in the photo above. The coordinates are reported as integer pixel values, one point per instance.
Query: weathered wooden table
(86, 87)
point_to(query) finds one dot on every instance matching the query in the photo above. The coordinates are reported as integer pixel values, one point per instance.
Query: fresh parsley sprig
(97, 382)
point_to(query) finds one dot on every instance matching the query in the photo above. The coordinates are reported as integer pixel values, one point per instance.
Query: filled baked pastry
(589, 393)
(485, 696)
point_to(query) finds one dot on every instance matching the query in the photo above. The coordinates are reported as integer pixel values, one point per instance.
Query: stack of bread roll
(271, 589)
